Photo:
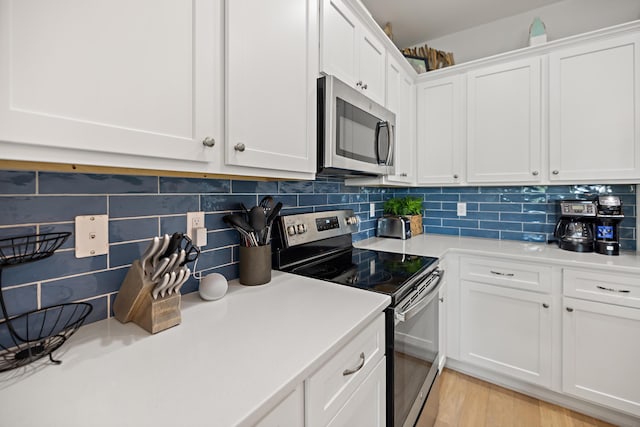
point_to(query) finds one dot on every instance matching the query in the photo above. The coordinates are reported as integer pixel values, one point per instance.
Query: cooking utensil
(148, 254)
(178, 286)
(160, 285)
(237, 222)
(258, 222)
(272, 216)
(172, 263)
(266, 203)
(172, 280)
(179, 277)
(160, 268)
(174, 244)
(164, 243)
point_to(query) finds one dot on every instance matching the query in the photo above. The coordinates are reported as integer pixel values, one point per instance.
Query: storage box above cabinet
(349, 51)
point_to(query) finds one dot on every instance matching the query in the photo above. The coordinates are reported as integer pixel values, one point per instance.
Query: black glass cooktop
(383, 272)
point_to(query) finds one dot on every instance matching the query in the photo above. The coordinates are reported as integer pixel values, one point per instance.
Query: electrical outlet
(372, 210)
(462, 209)
(194, 220)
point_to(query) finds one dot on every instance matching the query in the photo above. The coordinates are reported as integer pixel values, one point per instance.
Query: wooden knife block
(134, 303)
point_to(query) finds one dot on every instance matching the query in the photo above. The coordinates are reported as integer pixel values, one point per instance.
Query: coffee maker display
(574, 229)
(608, 218)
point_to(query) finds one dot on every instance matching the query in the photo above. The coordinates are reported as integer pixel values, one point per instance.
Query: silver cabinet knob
(455, 176)
(555, 172)
(569, 309)
(208, 142)
(403, 174)
(534, 173)
(364, 86)
(359, 83)
(239, 147)
(545, 305)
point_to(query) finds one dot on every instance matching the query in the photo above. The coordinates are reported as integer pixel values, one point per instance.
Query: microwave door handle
(379, 127)
(390, 139)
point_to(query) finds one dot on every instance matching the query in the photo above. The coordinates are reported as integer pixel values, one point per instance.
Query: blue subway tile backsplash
(141, 207)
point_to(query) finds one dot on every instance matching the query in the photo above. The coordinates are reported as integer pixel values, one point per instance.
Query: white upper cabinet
(440, 129)
(504, 123)
(594, 117)
(349, 51)
(271, 71)
(401, 100)
(134, 78)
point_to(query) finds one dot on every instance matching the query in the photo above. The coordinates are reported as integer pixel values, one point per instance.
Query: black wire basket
(19, 250)
(35, 334)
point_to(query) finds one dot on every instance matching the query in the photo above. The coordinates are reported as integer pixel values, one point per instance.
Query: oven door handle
(422, 302)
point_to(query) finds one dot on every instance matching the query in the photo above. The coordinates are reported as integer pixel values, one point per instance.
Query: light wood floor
(468, 402)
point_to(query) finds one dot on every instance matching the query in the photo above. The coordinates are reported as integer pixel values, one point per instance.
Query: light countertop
(439, 245)
(228, 363)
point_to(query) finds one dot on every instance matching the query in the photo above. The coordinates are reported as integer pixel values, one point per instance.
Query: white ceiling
(416, 21)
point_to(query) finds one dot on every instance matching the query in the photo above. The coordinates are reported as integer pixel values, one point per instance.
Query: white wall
(562, 19)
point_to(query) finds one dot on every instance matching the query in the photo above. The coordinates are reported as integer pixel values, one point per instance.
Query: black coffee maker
(575, 227)
(608, 218)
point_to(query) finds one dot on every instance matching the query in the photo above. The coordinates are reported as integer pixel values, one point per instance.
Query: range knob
(301, 228)
(291, 230)
(351, 220)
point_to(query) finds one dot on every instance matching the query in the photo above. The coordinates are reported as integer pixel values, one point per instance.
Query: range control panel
(311, 227)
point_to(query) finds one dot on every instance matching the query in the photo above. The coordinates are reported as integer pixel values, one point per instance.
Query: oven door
(416, 354)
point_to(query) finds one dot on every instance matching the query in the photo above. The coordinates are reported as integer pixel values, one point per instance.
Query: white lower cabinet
(288, 413)
(506, 330)
(348, 390)
(601, 350)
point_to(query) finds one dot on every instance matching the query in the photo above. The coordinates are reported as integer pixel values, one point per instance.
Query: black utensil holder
(255, 265)
(32, 335)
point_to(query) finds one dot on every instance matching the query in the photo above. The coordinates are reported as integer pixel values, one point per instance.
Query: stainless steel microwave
(356, 136)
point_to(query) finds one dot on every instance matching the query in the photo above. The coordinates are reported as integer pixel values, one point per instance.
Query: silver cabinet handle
(534, 173)
(624, 291)
(545, 305)
(403, 174)
(239, 147)
(347, 372)
(570, 310)
(497, 273)
(555, 172)
(208, 142)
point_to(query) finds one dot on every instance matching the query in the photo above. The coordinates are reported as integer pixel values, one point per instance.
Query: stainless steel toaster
(397, 227)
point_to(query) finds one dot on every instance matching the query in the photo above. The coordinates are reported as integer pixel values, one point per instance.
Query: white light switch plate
(92, 235)
(462, 209)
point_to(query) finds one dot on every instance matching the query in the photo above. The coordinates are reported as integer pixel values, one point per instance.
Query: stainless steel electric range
(319, 245)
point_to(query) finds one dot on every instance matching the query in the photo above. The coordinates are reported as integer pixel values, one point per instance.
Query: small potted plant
(409, 207)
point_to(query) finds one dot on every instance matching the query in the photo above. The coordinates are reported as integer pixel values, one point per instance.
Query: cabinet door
(594, 100)
(504, 123)
(440, 129)
(339, 41)
(123, 77)
(401, 100)
(367, 405)
(506, 330)
(288, 413)
(271, 84)
(372, 60)
(600, 353)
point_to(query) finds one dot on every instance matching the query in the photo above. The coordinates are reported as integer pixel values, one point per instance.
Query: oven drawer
(328, 390)
(504, 272)
(614, 288)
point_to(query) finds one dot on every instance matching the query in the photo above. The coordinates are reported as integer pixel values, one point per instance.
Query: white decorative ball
(213, 286)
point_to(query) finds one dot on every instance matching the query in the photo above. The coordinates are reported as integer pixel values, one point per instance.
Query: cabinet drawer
(514, 274)
(332, 385)
(613, 288)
